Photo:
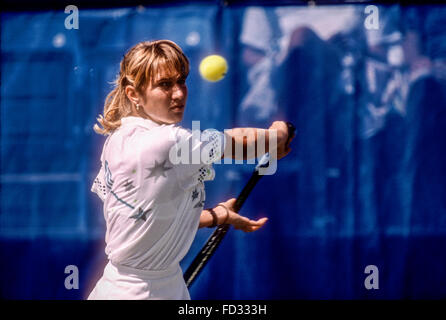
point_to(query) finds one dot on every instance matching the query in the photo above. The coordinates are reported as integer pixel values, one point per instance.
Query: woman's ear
(132, 94)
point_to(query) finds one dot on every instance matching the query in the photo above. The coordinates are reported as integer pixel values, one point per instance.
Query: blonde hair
(139, 65)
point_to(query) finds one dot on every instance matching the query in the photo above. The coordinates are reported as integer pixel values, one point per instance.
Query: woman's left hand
(238, 221)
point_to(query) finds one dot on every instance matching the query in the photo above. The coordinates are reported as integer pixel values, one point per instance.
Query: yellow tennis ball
(213, 68)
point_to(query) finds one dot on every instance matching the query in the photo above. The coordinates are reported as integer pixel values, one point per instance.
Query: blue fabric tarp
(364, 184)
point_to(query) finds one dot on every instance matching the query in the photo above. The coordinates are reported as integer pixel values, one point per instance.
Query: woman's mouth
(178, 108)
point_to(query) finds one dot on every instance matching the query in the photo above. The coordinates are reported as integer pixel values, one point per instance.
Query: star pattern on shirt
(141, 214)
(108, 176)
(201, 202)
(128, 185)
(158, 170)
(194, 195)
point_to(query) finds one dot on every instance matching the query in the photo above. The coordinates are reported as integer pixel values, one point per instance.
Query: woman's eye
(165, 84)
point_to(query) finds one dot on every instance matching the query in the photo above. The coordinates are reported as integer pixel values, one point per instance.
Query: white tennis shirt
(152, 206)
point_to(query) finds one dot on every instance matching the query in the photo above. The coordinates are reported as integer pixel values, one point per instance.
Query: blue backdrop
(363, 186)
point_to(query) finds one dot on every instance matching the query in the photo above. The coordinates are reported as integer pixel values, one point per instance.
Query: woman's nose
(179, 91)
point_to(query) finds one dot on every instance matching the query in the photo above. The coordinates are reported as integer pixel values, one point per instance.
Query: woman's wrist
(214, 222)
(224, 213)
(215, 216)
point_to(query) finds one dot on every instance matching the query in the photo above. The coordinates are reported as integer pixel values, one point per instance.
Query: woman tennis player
(153, 204)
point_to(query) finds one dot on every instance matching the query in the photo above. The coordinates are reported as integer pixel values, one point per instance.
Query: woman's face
(165, 98)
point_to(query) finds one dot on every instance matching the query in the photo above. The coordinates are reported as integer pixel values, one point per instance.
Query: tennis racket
(217, 236)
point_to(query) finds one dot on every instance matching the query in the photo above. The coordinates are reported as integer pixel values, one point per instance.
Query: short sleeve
(100, 186)
(212, 145)
(194, 153)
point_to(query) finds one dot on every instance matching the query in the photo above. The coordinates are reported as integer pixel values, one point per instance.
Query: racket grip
(291, 133)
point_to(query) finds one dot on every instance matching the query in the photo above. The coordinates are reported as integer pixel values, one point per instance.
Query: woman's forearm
(247, 143)
(209, 216)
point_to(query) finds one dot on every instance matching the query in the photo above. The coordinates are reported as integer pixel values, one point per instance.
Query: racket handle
(291, 133)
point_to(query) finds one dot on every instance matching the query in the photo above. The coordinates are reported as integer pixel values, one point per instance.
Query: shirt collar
(146, 123)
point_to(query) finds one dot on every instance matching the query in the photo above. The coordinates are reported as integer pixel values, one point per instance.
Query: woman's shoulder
(149, 139)
(137, 128)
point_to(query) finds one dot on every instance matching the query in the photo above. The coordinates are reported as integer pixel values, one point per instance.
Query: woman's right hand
(282, 138)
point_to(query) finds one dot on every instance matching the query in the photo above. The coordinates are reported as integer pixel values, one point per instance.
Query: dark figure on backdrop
(426, 115)
(310, 93)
